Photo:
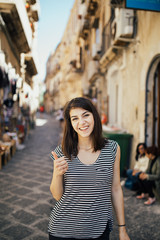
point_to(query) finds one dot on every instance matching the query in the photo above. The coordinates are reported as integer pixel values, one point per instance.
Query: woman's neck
(85, 143)
(142, 155)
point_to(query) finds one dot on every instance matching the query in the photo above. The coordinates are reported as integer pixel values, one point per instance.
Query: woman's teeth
(84, 128)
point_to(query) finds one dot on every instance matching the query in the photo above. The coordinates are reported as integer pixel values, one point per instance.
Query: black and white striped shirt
(85, 207)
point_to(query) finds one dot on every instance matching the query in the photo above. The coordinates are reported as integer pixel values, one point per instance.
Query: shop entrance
(152, 110)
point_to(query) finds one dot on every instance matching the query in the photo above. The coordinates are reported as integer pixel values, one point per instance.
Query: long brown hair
(70, 137)
(137, 150)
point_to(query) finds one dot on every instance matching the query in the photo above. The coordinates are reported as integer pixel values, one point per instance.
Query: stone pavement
(26, 202)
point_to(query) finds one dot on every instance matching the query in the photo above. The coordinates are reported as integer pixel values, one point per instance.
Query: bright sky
(54, 16)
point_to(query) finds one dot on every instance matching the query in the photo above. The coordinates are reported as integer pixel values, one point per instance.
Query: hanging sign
(150, 5)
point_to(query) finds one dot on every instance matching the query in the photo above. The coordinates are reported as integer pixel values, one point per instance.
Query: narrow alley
(26, 202)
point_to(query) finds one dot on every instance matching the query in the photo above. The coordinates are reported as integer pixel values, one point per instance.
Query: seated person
(149, 181)
(140, 166)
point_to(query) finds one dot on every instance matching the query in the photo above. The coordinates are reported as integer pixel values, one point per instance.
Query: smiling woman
(86, 176)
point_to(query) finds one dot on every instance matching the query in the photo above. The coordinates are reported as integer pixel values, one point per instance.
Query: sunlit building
(111, 54)
(18, 60)
(64, 67)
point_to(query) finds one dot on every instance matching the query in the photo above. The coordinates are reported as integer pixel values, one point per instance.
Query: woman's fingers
(61, 169)
(54, 155)
(61, 160)
(60, 165)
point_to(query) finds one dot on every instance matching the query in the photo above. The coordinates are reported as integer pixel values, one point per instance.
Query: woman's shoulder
(112, 143)
(58, 150)
(110, 148)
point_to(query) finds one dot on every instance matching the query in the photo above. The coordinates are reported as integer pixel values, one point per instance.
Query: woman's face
(82, 122)
(141, 149)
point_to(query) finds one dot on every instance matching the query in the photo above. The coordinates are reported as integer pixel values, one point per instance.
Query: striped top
(85, 207)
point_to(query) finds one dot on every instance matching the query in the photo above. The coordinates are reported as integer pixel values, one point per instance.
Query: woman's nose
(81, 121)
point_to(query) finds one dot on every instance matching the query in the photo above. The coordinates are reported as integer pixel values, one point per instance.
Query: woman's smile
(84, 128)
(82, 121)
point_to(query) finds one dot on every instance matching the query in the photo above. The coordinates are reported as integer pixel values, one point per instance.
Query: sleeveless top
(85, 207)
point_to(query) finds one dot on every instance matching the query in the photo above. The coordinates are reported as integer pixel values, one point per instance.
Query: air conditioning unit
(122, 26)
(96, 50)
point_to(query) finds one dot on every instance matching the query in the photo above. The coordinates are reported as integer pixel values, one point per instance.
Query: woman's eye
(74, 119)
(86, 115)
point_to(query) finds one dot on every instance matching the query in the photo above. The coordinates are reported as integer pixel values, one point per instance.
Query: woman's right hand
(60, 165)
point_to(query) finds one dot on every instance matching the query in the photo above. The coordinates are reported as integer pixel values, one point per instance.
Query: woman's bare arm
(60, 166)
(117, 198)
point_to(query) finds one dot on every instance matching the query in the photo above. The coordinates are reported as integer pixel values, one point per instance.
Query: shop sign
(150, 5)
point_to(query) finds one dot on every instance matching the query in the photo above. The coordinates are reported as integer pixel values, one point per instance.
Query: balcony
(35, 12)
(33, 9)
(92, 69)
(31, 62)
(96, 51)
(84, 29)
(15, 20)
(73, 71)
(108, 51)
(117, 3)
(106, 38)
(92, 7)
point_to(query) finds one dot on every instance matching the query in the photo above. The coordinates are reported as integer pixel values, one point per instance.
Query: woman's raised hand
(60, 165)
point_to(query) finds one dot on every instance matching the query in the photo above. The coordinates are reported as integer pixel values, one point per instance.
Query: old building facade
(18, 60)
(64, 69)
(117, 63)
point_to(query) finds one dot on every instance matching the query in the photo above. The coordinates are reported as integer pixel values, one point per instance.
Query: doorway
(152, 109)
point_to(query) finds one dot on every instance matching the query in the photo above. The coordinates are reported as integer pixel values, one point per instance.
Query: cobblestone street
(26, 202)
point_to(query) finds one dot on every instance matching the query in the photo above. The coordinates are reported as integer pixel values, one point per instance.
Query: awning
(16, 21)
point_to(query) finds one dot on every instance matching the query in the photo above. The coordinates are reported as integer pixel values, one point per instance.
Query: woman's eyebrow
(82, 114)
(73, 116)
(85, 112)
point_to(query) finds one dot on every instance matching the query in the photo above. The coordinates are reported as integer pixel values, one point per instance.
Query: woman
(86, 177)
(140, 166)
(149, 181)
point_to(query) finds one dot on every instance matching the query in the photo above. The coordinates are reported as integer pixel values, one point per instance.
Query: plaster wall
(131, 73)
